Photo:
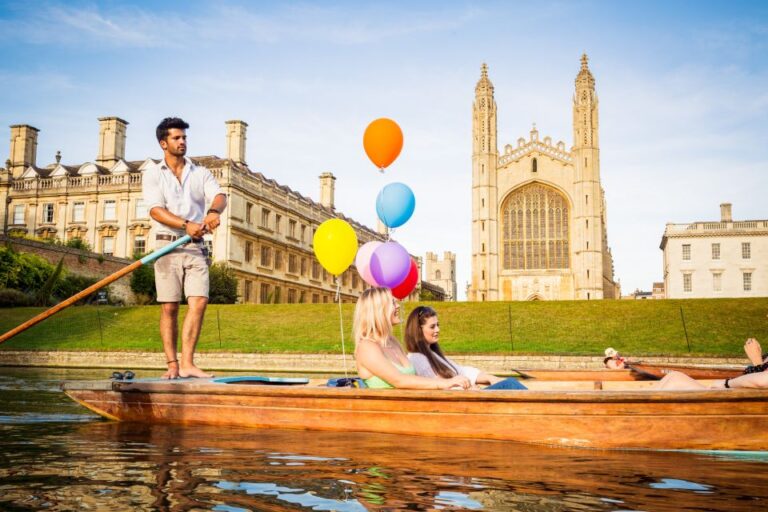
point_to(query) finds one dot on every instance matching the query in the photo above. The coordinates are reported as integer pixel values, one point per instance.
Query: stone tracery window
(535, 229)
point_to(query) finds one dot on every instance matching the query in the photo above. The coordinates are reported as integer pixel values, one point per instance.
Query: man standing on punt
(176, 192)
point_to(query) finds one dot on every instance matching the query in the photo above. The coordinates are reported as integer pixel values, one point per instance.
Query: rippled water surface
(55, 455)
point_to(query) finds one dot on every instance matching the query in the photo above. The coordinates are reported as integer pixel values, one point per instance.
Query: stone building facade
(442, 273)
(265, 234)
(538, 209)
(716, 259)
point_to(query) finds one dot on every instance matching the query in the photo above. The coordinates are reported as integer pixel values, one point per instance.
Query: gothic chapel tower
(588, 194)
(538, 210)
(484, 193)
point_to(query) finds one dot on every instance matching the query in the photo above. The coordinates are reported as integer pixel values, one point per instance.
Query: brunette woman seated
(422, 331)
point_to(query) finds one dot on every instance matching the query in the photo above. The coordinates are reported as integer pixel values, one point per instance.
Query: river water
(55, 455)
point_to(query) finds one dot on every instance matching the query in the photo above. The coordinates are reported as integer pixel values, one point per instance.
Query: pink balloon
(363, 261)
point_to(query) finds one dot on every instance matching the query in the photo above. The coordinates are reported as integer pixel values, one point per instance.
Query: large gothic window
(535, 229)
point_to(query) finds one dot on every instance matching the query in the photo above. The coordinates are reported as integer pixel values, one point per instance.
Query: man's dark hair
(168, 123)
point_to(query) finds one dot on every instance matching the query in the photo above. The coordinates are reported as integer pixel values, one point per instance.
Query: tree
(426, 295)
(143, 284)
(44, 294)
(223, 285)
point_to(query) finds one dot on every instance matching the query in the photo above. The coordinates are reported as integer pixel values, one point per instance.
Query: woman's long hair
(416, 342)
(373, 316)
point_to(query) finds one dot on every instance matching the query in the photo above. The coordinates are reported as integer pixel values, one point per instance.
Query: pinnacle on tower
(484, 84)
(585, 78)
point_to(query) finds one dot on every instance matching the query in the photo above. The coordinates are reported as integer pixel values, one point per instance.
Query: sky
(682, 85)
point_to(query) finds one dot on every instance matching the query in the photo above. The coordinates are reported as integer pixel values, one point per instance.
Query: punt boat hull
(635, 418)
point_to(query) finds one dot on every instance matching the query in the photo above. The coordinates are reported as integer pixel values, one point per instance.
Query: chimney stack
(725, 213)
(23, 148)
(111, 141)
(236, 140)
(327, 189)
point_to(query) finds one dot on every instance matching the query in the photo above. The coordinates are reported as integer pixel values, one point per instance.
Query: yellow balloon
(335, 245)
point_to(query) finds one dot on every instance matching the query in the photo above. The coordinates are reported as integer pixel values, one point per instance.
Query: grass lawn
(715, 327)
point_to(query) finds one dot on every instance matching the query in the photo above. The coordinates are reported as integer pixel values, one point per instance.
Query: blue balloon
(395, 204)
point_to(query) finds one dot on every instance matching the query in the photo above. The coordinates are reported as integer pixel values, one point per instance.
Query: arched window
(533, 165)
(437, 275)
(535, 229)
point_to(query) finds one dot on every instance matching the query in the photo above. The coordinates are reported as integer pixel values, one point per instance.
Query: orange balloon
(383, 141)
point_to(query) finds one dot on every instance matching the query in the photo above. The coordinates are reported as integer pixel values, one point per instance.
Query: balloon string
(341, 327)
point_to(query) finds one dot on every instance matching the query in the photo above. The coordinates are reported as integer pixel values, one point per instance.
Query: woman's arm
(486, 378)
(370, 356)
(422, 366)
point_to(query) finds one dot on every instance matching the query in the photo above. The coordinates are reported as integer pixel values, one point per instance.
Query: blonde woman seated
(381, 361)
(422, 331)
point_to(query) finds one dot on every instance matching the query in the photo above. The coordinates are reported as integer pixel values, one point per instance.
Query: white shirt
(187, 199)
(424, 369)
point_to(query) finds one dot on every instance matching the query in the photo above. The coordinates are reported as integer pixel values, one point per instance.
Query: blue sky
(683, 90)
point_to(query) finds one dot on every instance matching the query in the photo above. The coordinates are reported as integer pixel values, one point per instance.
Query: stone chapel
(538, 209)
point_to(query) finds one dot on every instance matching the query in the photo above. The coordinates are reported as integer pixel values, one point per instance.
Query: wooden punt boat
(620, 415)
(658, 371)
(580, 375)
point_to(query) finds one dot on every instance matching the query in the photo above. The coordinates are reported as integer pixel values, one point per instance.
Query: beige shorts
(184, 269)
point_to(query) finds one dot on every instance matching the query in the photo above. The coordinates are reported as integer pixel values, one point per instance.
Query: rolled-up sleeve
(421, 365)
(151, 189)
(469, 372)
(211, 187)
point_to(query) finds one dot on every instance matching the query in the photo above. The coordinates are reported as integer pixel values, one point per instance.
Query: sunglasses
(127, 375)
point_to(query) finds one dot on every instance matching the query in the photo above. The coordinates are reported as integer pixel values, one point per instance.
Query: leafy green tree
(23, 271)
(223, 284)
(143, 283)
(426, 295)
(44, 294)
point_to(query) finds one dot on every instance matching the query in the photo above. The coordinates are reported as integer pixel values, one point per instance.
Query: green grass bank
(714, 327)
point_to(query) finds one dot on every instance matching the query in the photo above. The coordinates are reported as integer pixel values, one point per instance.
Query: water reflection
(74, 461)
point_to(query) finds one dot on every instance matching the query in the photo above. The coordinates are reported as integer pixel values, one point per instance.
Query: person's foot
(754, 351)
(172, 373)
(194, 371)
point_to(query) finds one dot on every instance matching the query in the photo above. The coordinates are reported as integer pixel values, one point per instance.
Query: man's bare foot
(754, 351)
(172, 373)
(194, 371)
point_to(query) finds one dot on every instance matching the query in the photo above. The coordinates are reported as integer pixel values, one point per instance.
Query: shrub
(223, 285)
(10, 298)
(78, 243)
(71, 284)
(143, 284)
(23, 271)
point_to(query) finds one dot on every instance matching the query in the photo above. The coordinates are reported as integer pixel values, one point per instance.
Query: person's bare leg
(679, 381)
(169, 332)
(190, 332)
(754, 351)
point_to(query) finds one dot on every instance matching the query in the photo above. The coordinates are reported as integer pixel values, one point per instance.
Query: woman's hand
(457, 381)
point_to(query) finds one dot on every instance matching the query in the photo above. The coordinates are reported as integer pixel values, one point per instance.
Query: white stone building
(265, 234)
(716, 259)
(538, 209)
